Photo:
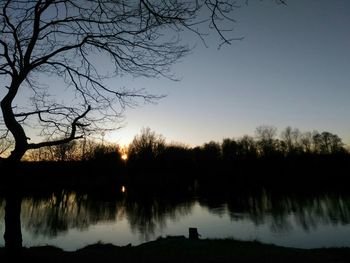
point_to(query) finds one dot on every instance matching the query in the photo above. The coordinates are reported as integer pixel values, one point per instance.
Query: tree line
(149, 146)
(293, 160)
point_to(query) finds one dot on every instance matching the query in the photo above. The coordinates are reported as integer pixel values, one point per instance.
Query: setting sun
(124, 156)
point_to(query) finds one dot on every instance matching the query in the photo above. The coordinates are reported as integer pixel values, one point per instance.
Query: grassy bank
(181, 250)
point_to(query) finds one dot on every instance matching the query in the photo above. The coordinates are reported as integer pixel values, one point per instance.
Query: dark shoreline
(215, 185)
(324, 172)
(180, 249)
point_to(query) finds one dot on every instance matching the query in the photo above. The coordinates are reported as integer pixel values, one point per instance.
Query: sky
(291, 69)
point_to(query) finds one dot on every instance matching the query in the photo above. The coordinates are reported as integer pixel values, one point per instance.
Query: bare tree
(61, 39)
(291, 137)
(146, 146)
(306, 142)
(247, 147)
(266, 139)
(6, 141)
(64, 152)
(5, 145)
(229, 149)
(327, 143)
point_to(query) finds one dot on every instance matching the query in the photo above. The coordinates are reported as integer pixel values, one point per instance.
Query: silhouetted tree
(247, 147)
(176, 157)
(64, 151)
(291, 139)
(5, 145)
(266, 139)
(105, 152)
(327, 143)
(306, 142)
(209, 154)
(62, 39)
(229, 148)
(146, 147)
(79, 150)
(40, 154)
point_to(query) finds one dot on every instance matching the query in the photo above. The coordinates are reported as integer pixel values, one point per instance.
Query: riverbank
(180, 249)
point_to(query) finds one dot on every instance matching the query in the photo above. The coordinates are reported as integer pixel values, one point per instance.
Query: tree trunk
(13, 234)
(21, 145)
(13, 198)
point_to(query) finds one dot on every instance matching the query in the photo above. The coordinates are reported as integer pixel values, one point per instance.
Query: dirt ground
(179, 249)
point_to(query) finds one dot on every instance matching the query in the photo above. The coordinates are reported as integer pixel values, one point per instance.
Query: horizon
(291, 68)
(109, 138)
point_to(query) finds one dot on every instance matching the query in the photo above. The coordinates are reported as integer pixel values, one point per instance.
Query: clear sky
(291, 69)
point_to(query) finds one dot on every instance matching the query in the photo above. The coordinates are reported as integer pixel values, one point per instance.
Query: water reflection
(62, 211)
(55, 214)
(151, 214)
(308, 212)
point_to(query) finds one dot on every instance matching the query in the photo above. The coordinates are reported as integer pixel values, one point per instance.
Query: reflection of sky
(292, 68)
(209, 224)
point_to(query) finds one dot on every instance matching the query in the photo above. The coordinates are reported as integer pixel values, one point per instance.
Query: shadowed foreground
(182, 250)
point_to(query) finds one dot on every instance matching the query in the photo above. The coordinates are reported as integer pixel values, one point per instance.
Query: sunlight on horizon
(121, 137)
(124, 157)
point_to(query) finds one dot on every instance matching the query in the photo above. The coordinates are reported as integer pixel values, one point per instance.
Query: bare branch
(83, 44)
(72, 135)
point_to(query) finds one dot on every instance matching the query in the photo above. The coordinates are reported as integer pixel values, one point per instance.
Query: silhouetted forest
(294, 160)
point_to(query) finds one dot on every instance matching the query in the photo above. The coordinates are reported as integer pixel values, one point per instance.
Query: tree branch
(71, 137)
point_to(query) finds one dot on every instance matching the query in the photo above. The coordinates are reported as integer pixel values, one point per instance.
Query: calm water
(70, 220)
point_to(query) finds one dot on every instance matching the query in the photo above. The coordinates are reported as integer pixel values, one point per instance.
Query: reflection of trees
(282, 211)
(63, 211)
(59, 212)
(146, 216)
(2, 214)
(330, 209)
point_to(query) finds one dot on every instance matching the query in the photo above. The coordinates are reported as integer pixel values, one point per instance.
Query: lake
(71, 220)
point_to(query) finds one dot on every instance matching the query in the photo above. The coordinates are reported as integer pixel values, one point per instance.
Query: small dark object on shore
(193, 233)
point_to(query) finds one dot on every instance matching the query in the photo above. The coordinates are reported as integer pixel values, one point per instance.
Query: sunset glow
(124, 157)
